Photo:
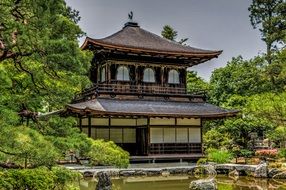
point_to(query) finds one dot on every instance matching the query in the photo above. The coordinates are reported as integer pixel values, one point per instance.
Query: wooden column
(108, 70)
(80, 123)
(109, 124)
(148, 136)
(201, 123)
(89, 126)
(136, 75)
(162, 75)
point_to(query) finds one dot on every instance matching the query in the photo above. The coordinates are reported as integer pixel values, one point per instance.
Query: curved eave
(210, 54)
(107, 113)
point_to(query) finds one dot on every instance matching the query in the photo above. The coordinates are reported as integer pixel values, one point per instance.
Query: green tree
(269, 16)
(171, 34)
(196, 83)
(41, 68)
(239, 77)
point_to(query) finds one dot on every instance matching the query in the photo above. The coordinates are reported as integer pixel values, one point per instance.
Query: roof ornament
(130, 16)
(131, 22)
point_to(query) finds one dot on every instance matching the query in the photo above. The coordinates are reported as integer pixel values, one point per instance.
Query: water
(182, 183)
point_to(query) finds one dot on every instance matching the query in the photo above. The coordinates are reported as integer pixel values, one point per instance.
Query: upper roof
(104, 106)
(134, 39)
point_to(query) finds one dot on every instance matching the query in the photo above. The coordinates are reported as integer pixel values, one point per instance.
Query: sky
(209, 24)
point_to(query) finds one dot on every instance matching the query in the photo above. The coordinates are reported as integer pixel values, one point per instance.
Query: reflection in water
(182, 183)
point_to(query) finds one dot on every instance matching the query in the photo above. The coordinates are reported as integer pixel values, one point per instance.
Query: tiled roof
(135, 38)
(106, 106)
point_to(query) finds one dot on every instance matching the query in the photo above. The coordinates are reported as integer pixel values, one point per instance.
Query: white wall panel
(195, 135)
(162, 121)
(156, 135)
(191, 121)
(169, 135)
(182, 135)
(102, 134)
(116, 135)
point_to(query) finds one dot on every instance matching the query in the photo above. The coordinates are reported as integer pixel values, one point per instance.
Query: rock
(203, 185)
(165, 173)
(88, 174)
(104, 181)
(127, 173)
(261, 170)
(277, 174)
(272, 172)
(233, 174)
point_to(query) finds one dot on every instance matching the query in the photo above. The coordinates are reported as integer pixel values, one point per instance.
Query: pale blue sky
(209, 24)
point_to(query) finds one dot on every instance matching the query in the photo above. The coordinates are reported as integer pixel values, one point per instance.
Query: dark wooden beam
(89, 126)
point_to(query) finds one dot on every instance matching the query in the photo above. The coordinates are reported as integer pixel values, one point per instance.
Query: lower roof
(105, 106)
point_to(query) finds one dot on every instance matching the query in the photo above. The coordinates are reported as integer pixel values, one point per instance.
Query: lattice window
(149, 75)
(173, 77)
(122, 74)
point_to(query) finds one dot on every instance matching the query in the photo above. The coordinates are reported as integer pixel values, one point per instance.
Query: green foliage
(107, 153)
(171, 34)
(196, 83)
(41, 68)
(240, 128)
(219, 156)
(255, 88)
(215, 140)
(240, 78)
(271, 106)
(278, 136)
(37, 179)
(26, 147)
(66, 136)
(282, 153)
(269, 17)
(246, 153)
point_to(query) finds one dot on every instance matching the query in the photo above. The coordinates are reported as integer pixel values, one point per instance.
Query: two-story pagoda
(139, 98)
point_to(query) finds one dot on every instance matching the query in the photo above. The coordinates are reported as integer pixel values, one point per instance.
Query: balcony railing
(140, 90)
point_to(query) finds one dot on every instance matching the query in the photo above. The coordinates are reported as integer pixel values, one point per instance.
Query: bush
(269, 153)
(219, 156)
(215, 139)
(282, 153)
(40, 178)
(108, 153)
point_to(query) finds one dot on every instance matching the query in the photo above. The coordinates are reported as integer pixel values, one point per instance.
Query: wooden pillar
(89, 126)
(136, 75)
(201, 123)
(80, 123)
(108, 73)
(162, 75)
(109, 124)
(148, 136)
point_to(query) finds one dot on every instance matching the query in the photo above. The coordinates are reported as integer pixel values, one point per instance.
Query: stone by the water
(261, 170)
(104, 181)
(203, 185)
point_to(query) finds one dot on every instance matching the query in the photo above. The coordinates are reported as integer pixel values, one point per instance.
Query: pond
(182, 183)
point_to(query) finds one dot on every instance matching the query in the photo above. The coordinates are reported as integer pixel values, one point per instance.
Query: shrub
(219, 156)
(40, 178)
(108, 153)
(282, 153)
(269, 153)
(215, 139)
(246, 153)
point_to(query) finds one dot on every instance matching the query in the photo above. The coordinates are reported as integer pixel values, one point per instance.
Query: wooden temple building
(139, 97)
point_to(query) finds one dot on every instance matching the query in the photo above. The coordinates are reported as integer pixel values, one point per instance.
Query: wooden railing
(141, 90)
(175, 148)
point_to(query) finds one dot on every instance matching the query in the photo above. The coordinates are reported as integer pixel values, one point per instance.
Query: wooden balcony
(139, 90)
